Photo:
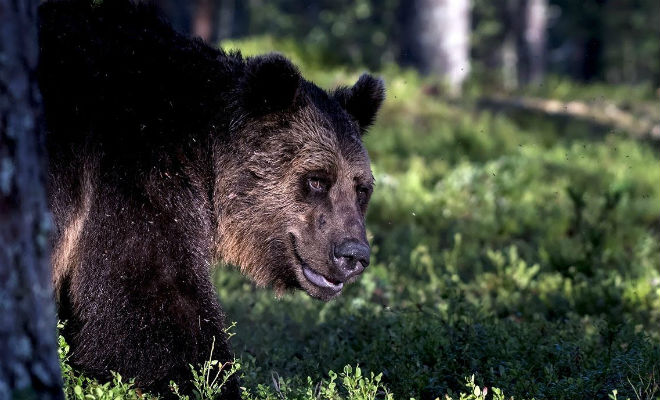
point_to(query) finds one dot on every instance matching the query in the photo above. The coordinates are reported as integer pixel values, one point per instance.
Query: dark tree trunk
(28, 355)
(225, 18)
(241, 21)
(592, 57)
(179, 14)
(592, 53)
(232, 19)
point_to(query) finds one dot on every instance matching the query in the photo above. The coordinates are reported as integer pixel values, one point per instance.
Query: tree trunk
(437, 38)
(529, 25)
(225, 18)
(444, 36)
(179, 14)
(29, 366)
(535, 37)
(203, 19)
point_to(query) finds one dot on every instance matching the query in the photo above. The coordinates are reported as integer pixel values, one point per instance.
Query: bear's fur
(167, 155)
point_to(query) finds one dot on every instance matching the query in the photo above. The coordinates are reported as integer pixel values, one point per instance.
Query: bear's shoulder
(115, 73)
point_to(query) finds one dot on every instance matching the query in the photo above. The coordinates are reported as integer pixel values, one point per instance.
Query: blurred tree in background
(617, 41)
(511, 42)
(436, 38)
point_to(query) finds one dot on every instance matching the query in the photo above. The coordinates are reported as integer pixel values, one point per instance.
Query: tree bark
(529, 24)
(203, 20)
(225, 18)
(29, 366)
(437, 38)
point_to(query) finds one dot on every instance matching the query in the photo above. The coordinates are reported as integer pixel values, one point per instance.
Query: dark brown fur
(265, 204)
(168, 155)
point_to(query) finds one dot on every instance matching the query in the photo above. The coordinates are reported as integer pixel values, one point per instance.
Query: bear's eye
(363, 193)
(318, 185)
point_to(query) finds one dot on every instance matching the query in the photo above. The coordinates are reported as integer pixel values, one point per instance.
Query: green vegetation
(518, 251)
(623, 34)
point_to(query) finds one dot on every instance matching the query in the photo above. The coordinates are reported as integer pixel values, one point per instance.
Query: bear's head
(294, 179)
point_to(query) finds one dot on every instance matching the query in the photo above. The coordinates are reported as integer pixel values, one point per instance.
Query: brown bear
(167, 155)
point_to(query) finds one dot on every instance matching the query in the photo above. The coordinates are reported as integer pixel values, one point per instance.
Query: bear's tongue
(320, 280)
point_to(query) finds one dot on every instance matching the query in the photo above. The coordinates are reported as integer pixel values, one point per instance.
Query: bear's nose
(351, 258)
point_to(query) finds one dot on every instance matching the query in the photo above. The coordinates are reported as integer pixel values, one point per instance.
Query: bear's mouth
(312, 276)
(320, 280)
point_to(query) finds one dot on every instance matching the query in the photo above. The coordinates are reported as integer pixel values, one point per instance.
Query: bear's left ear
(362, 100)
(270, 83)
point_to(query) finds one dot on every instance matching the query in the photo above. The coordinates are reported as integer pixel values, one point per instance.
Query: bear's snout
(350, 258)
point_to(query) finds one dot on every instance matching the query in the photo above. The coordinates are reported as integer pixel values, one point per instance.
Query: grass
(510, 252)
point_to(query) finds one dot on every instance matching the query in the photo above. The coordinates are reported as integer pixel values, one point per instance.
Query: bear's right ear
(362, 100)
(270, 83)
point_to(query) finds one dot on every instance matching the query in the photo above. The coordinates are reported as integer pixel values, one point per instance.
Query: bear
(166, 156)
